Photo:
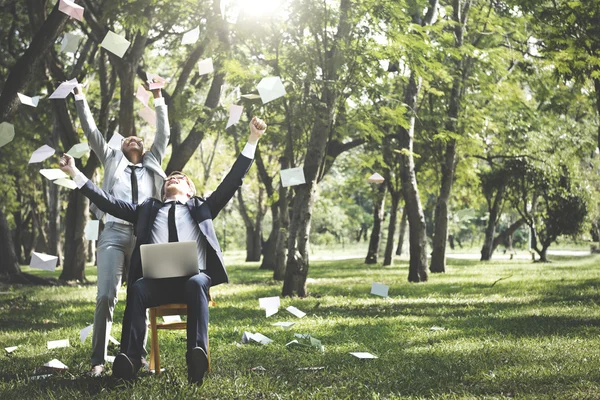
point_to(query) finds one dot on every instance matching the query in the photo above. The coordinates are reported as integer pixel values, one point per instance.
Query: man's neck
(134, 158)
(182, 198)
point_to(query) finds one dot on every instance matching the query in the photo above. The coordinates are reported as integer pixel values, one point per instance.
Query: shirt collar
(139, 165)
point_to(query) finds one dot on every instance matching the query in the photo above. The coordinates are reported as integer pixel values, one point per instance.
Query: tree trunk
(490, 230)
(403, 223)
(8, 259)
(378, 214)
(18, 233)
(282, 237)
(75, 244)
(269, 249)
(506, 234)
(389, 248)
(597, 89)
(127, 74)
(440, 236)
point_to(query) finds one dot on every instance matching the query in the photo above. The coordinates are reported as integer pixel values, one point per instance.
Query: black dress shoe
(124, 367)
(197, 365)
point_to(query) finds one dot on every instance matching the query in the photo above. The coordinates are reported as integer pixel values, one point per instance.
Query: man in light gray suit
(133, 175)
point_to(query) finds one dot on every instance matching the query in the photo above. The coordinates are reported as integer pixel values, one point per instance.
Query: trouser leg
(196, 297)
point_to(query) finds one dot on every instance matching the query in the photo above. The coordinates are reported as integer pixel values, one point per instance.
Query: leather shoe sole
(123, 367)
(198, 365)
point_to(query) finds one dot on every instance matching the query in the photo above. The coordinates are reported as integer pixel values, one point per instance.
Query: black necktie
(134, 185)
(172, 227)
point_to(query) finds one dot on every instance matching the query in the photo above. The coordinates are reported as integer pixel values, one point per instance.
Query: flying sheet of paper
(270, 88)
(284, 325)
(53, 173)
(10, 349)
(66, 183)
(91, 229)
(296, 312)
(78, 150)
(56, 344)
(85, 332)
(64, 89)
(363, 355)
(115, 141)
(113, 340)
(205, 66)
(70, 43)
(29, 101)
(235, 113)
(7, 133)
(41, 154)
(379, 289)
(292, 176)
(71, 9)
(43, 261)
(376, 178)
(142, 95)
(116, 44)
(148, 115)
(191, 37)
(55, 364)
(269, 302)
(251, 96)
(168, 319)
(155, 81)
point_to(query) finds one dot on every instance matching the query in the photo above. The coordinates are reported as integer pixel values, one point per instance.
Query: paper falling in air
(41, 154)
(148, 115)
(376, 178)
(251, 96)
(43, 261)
(142, 95)
(71, 9)
(116, 44)
(78, 150)
(66, 183)
(29, 101)
(296, 312)
(115, 141)
(91, 229)
(270, 89)
(70, 43)
(205, 66)
(363, 355)
(64, 89)
(85, 332)
(7, 133)
(379, 289)
(155, 81)
(53, 173)
(57, 344)
(292, 176)
(235, 113)
(191, 37)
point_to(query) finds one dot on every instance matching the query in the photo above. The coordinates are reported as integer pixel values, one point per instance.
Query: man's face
(132, 144)
(176, 185)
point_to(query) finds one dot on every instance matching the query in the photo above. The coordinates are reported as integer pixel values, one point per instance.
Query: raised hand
(257, 129)
(67, 165)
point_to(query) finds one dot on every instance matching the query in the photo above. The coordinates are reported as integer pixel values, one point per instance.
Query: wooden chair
(161, 311)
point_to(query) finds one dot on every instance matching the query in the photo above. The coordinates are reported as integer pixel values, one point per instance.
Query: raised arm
(105, 201)
(94, 136)
(234, 179)
(163, 130)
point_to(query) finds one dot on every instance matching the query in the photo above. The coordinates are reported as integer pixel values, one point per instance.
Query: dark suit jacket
(203, 211)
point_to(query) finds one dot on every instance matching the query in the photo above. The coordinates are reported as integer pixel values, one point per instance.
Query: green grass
(534, 335)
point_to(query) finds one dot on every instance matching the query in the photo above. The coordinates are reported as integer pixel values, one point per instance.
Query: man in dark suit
(181, 216)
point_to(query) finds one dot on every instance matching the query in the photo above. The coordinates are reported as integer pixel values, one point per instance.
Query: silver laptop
(169, 260)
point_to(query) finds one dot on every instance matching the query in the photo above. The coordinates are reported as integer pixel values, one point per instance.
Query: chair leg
(154, 349)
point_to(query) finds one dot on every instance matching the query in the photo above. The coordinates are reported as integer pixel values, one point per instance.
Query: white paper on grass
(70, 43)
(379, 289)
(437, 328)
(43, 261)
(71, 9)
(85, 332)
(376, 178)
(363, 355)
(235, 113)
(53, 173)
(302, 335)
(28, 101)
(168, 319)
(205, 66)
(296, 312)
(56, 364)
(142, 95)
(284, 325)
(56, 344)
(91, 229)
(191, 37)
(113, 340)
(292, 176)
(66, 183)
(116, 44)
(41, 154)
(40, 377)
(115, 141)
(78, 150)
(10, 349)
(260, 338)
(7, 133)
(269, 302)
(246, 337)
(271, 311)
(148, 115)
(64, 89)
(270, 88)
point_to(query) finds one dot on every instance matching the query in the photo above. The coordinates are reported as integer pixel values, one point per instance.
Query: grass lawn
(533, 335)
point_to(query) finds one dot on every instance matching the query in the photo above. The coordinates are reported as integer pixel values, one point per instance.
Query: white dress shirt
(122, 188)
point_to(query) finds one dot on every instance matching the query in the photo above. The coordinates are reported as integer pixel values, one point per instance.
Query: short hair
(187, 179)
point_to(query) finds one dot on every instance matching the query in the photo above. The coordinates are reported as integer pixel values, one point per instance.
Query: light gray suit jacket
(115, 162)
